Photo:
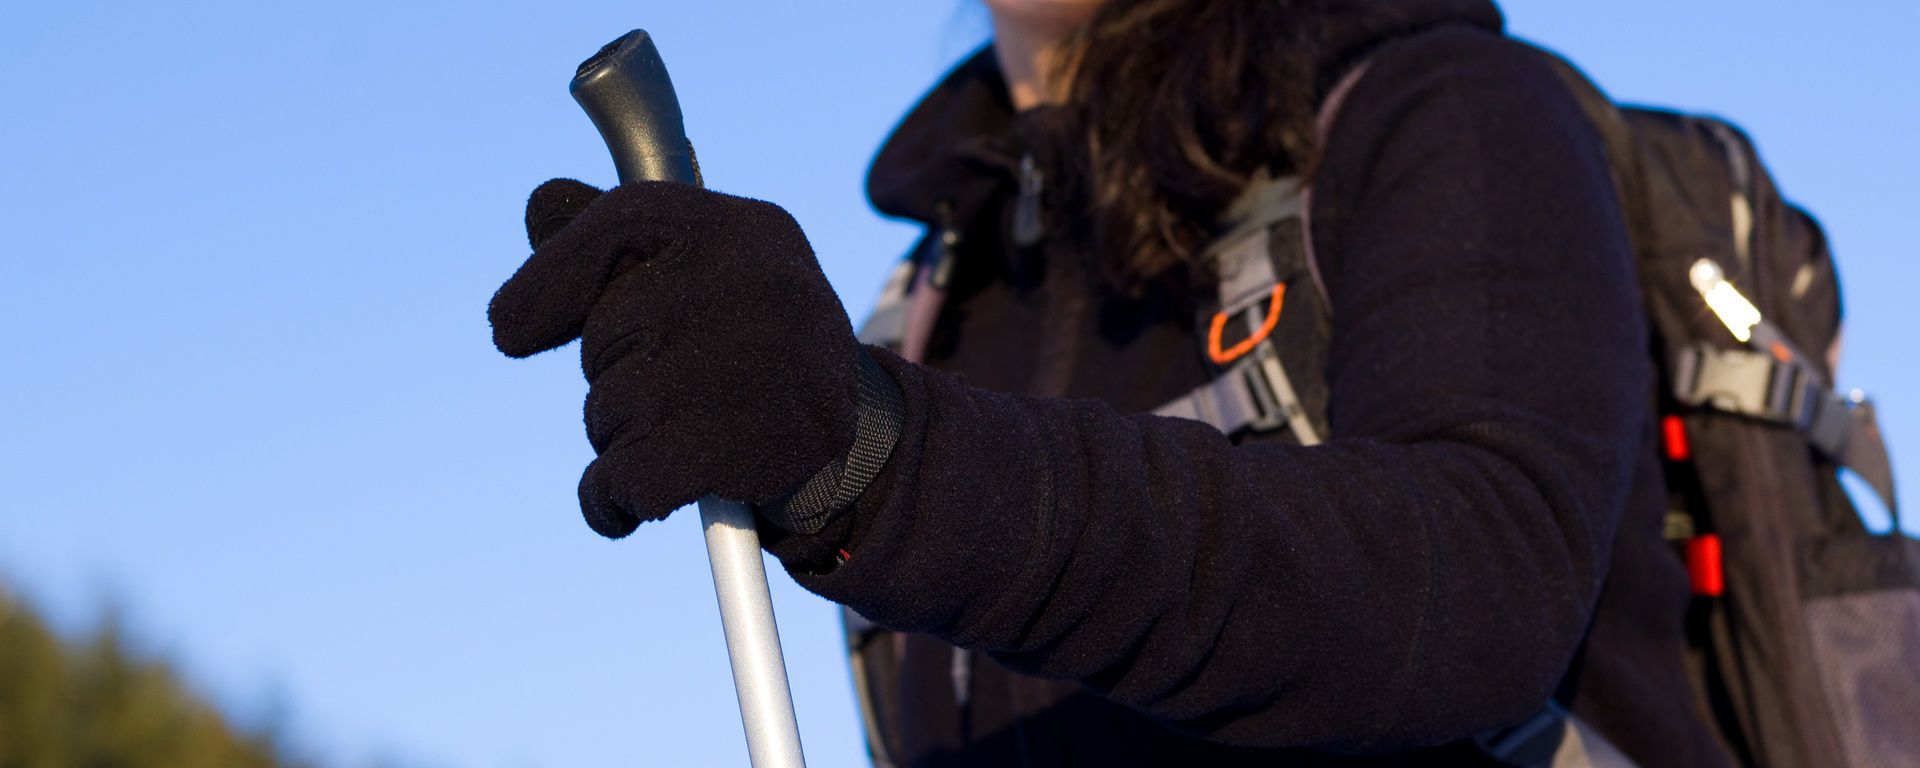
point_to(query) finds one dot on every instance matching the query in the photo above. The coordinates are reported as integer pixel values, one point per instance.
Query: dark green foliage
(96, 704)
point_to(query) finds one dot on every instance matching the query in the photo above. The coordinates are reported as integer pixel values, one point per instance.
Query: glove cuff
(880, 413)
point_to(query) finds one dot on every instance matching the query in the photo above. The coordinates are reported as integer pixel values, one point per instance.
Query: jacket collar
(955, 147)
(959, 145)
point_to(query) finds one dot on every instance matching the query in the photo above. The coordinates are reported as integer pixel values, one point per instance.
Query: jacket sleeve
(1428, 572)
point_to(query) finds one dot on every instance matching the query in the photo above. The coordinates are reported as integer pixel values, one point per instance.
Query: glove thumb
(545, 302)
(553, 204)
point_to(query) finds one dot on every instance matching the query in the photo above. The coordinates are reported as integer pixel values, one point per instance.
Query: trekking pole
(625, 90)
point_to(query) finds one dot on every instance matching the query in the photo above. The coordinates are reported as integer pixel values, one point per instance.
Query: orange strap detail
(1247, 344)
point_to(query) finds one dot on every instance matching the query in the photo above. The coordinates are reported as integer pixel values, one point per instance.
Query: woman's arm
(1426, 574)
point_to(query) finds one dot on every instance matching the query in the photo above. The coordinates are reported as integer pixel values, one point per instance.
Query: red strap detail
(1703, 565)
(1246, 345)
(1675, 431)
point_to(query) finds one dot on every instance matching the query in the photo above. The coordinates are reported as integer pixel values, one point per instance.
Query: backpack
(1805, 627)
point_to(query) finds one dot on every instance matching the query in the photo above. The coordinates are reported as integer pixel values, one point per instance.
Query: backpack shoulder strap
(1264, 247)
(1252, 264)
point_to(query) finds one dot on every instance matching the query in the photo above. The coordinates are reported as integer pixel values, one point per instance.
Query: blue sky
(249, 392)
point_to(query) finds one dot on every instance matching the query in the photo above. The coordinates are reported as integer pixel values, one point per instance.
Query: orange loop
(1220, 323)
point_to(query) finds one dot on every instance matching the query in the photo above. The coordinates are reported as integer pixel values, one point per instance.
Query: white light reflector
(1739, 315)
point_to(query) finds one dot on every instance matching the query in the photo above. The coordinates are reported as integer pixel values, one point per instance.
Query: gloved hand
(719, 361)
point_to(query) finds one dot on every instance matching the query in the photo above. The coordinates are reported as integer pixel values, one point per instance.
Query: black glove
(719, 361)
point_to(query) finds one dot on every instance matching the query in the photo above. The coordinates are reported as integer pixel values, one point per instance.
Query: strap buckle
(1274, 402)
(1253, 393)
(1761, 386)
(1782, 389)
(1237, 399)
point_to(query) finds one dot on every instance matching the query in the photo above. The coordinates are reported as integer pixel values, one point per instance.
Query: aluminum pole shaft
(753, 642)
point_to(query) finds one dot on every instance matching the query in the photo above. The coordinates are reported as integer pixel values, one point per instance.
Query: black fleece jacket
(1441, 566)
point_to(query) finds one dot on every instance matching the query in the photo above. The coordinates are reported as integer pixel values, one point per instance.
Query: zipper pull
(947, 247)
(1027, 229)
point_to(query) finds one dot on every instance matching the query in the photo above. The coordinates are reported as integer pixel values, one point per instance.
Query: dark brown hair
(1173, 106)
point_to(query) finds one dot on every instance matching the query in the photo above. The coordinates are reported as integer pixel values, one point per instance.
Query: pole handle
(626, 92)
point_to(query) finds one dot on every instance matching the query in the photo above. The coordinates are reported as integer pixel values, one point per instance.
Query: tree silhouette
(96, 704)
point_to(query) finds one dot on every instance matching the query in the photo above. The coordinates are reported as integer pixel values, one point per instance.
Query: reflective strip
(1727, 303)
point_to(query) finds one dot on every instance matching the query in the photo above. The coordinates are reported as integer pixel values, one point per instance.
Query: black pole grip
(625, 90)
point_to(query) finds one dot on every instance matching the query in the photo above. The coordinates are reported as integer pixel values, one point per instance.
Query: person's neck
(1026, 57)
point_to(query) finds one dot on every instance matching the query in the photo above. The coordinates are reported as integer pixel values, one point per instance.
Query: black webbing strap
(877, 424)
